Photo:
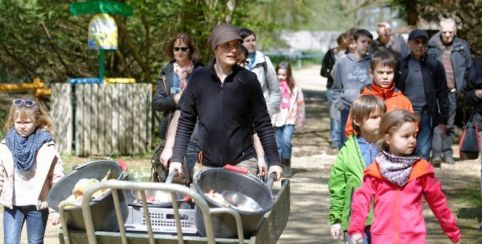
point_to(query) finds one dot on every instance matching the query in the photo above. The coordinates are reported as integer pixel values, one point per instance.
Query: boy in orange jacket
(382, 71)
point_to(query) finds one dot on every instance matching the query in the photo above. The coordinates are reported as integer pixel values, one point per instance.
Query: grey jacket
(264, 70)
(460, 56)
(349, 76)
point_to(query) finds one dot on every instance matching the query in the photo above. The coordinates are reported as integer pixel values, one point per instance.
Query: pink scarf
(285, 94)
(183, 73)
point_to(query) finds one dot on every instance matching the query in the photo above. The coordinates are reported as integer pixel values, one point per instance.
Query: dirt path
(312, 161)
(312, 164)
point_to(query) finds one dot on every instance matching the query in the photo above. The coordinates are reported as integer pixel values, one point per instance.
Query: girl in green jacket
(356, 154)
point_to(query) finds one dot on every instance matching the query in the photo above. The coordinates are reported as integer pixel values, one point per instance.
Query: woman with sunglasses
(184, 58)
(29, 166)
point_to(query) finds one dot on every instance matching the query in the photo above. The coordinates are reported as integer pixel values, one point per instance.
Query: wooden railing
(102, 119)
(37, 85)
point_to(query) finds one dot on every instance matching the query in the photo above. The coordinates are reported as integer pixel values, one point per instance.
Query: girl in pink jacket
(396, 182)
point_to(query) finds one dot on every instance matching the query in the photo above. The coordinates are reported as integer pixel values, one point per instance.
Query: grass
(139, 166)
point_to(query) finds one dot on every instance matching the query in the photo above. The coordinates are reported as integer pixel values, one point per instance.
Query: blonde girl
(396, 182)
(29, 166)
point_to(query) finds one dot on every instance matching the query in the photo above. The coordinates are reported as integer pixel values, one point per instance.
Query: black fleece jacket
(228, 115)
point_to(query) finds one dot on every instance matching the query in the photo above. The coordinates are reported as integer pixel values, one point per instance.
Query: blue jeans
(284, 135)
(335, 126)
(13, 220)
(424, 138)
(344, 118)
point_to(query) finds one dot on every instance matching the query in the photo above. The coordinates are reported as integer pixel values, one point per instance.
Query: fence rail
(102, 119)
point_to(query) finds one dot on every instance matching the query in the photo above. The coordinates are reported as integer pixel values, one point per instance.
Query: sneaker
(449, 159)
(436, 160)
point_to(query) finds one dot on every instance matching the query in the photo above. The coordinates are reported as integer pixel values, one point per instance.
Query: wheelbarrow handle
(235, 169)
(270, 180)
(170, 177)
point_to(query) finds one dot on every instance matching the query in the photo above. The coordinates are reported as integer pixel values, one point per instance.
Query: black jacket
(327, 66)
(435, 84)
(228, 115)
(163, 100)
(474, 81)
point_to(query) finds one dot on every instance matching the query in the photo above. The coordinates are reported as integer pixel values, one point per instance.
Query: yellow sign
(103, 32)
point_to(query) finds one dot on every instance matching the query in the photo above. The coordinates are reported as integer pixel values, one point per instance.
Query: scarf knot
(396, 169)
(24, 149)
(182, 73)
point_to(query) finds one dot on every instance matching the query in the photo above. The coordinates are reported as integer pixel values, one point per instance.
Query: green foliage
(51, 44)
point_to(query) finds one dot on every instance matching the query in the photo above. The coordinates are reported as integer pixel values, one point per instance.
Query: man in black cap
(228, 102)
(422, 79)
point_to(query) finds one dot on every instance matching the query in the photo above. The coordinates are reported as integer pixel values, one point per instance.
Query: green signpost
(101, 7)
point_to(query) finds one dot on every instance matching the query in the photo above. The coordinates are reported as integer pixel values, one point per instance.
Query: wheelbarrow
(269, 231)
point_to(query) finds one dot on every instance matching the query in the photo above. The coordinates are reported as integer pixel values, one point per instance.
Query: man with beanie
(454, 54)
(421, 78)
(228, 102)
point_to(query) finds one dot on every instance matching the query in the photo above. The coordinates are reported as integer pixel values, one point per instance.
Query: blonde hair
(362, 107)
(36, 113)
(391, 122)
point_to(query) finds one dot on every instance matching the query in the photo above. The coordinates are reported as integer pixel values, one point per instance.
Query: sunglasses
(24, 102)
(183, 49)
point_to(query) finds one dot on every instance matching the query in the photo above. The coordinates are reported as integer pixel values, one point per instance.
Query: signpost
(102, 27)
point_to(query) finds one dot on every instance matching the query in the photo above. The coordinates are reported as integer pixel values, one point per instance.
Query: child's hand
(357, 238)
(54, 218)
(340, 106)
(336, 231)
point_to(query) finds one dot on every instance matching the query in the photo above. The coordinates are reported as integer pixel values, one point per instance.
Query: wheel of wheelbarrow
(221, 180)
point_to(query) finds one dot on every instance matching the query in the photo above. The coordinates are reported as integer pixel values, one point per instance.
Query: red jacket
(393, 99)
(398, 216)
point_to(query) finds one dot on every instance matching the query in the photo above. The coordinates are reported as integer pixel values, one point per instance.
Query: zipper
(222, 116)
(395, 217)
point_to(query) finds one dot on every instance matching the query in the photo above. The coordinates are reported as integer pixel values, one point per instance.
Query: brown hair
(36, 113)
(194, 55)
(362, 107)
(286, 65)
(342, 42)
(391, 122)
(384, 59)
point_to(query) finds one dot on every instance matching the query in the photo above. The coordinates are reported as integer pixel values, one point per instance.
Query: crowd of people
(395, 104)
(392, 107)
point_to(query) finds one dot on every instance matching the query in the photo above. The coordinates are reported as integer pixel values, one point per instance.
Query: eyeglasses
(183, 49)
(24, 102)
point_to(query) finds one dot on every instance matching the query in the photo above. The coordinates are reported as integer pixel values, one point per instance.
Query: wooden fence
(100, 119)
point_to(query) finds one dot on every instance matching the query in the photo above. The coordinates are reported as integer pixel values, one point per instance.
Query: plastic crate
(163, 220)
